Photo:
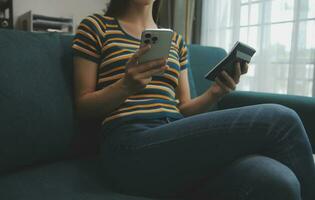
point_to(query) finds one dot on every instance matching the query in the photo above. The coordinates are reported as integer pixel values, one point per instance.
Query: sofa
(45, 152)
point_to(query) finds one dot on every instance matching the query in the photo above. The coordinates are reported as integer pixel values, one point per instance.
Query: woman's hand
(224, 83)
(137, 76)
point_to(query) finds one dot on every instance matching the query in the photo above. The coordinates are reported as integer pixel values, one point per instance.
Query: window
(282, 31)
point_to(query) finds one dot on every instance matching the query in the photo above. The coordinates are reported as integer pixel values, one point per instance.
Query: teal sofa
(45, 154)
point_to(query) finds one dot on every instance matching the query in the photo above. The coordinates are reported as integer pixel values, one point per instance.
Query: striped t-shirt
(102, 40)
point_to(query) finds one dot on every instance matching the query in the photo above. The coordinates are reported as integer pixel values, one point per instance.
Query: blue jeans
(251, 153)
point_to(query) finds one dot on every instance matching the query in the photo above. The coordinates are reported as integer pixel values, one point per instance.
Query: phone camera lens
(147, 41)
(154, 39)
(148, 35)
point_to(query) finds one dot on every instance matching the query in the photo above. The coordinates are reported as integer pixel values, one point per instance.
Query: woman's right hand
(137, 76)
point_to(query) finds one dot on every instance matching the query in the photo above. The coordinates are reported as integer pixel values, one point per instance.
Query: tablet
(240, 52)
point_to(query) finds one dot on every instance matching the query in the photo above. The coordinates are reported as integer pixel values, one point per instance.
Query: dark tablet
(240, 52)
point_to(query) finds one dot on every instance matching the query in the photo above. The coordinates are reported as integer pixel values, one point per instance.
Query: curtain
(282, 32)
(178, 15)
(166, 17)
(189, 19)
(196, 34)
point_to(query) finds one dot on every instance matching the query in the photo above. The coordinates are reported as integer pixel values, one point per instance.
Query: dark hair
(116, 8)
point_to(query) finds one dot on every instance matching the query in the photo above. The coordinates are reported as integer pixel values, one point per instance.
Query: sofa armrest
(304, 106)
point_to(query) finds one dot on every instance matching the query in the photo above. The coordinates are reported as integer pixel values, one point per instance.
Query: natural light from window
(282, 31)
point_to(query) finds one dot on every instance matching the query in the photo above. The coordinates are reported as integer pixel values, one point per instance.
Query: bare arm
(203, 102)
(91, 103)
(98, 104)
(194, 106)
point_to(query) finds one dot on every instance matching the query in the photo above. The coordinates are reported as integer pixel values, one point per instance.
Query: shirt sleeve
(183, 54)
(87, 41)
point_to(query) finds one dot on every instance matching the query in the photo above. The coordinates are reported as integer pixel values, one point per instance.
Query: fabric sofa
(44, 152)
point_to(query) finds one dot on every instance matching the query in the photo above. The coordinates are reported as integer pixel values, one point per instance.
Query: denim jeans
(259, 152)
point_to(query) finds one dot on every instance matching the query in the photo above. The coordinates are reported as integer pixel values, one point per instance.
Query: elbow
(79, 110)
(85, 110)
(184, 110)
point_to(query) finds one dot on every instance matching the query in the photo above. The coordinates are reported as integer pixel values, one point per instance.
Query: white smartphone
(160, 41)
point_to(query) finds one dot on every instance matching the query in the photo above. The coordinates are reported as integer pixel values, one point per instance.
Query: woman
(159, 142)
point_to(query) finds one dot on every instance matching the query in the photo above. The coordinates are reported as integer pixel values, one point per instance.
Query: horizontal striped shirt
(102, 40)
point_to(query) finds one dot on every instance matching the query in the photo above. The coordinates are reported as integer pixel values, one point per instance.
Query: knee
(276, 179)
(268, 179)
(283, 113)
(282, 183)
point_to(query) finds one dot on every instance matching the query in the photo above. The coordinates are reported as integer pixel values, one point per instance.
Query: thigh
(167, 159)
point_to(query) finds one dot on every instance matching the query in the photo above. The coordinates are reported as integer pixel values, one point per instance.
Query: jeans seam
(198, 133)
(195, 134)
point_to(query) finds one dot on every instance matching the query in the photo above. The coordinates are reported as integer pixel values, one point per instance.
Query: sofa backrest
(36, 109)
(202, 59)
(37, 121)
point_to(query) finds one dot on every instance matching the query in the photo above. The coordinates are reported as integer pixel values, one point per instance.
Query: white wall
(60, 8)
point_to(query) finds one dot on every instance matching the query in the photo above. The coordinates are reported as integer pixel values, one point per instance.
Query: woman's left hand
(225, 84)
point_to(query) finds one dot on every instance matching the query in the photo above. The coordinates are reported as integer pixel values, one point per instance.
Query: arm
(204, 102)
(98, 104)
(194, 106)
(90, 103)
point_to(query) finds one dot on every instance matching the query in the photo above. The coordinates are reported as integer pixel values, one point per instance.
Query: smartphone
(240, 53)
(160, 41)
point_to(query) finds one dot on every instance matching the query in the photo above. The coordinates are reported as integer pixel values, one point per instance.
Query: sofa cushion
(67, 180)
(202, 59)
(36, 119)
(76, 179)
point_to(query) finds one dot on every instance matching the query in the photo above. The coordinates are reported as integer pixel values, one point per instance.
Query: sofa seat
(67, 180)
(38, 123)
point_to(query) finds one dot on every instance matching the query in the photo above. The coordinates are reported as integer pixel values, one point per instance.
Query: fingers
(145, 70)
(237, 73)
(151, 65)
(152, 72)
(229, 82)
(226, 82)
(245, 68)
(148, 69)
(141, 51)
(225, 88)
